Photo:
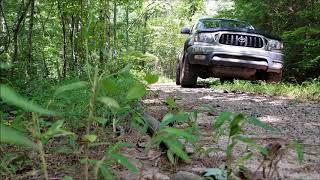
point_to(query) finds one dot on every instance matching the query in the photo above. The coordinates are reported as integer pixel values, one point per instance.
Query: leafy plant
(172, 137)
(112, 155)
(235, 123)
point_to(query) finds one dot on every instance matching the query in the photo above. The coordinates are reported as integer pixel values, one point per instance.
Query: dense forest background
(54, 39)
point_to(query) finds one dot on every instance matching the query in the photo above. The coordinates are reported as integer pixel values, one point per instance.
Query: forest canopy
(47, 39)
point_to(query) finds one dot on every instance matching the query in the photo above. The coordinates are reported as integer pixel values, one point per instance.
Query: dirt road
(295, 120)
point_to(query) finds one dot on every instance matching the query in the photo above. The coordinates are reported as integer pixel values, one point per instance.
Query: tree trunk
(30, 61)
(21, 14)
(127, 30)
(72, 33)
(64, 68)
(107, 28)
(114, 54)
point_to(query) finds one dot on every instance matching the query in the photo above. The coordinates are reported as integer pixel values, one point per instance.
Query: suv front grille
(241, 40)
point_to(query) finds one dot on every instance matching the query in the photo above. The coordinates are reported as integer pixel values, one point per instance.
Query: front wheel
(177, 74)
(274, 77)
(188, 74)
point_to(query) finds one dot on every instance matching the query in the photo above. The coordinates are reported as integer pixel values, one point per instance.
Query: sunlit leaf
(109, 85)
(151, 78)
(110, 102)
(11, 136)
(170, 118)
(69, 87)
(136, 92)
(221, 119)
(245, 157)
(9, 96)
(181, 133)
(89, 138)
(124, 162)
(235, 124)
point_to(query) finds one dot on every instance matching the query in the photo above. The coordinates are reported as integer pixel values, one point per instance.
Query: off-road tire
(274, 77)
(188, 74)
(178, 74)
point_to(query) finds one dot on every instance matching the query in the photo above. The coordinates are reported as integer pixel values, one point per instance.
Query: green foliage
(11, 97)
(11, 136)
(68, 87)
(172, 137)
(136, 92)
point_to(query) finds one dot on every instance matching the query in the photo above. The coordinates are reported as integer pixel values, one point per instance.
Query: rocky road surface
(296, 121)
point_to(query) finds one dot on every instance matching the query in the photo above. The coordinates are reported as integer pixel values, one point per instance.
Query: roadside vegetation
(308, 90)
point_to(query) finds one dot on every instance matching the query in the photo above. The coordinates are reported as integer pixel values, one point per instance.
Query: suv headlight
(206, 37)
(274, 45)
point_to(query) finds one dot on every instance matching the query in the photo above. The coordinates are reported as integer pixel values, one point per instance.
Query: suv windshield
(222, 23)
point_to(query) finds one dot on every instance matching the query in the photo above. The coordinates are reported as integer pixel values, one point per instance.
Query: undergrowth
(309, 90)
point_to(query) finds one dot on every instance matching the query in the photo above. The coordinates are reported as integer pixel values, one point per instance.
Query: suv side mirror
(185, 30)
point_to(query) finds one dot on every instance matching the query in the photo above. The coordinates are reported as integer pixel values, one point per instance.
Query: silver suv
(228, 49)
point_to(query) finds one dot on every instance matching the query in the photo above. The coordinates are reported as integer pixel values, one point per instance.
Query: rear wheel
(188, 74)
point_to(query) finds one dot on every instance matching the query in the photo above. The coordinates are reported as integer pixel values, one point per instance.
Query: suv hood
(240, 30)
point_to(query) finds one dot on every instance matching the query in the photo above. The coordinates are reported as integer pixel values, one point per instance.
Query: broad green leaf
(235, 124)
(177, 149)
(110, 102)
(56, 131)
(259, 123)
(11, 97)
(221, 119)
(300, 151)
(105, 172)
(117, 147)
(136, 92)
(11, 136)
(180, 133)
(170, 118)
(89, 138)
(124, 162)
(151, 78)
(69, 87)
(109, 85)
